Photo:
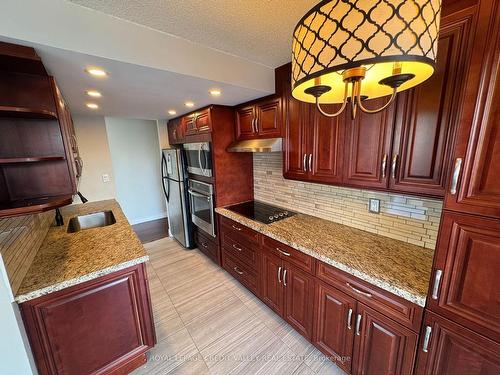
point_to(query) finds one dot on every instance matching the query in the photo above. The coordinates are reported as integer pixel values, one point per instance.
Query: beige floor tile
(303, 369)
(321, 365)
(194, 289)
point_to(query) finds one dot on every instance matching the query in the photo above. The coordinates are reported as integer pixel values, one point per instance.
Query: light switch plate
(374, 206)
(105, 178)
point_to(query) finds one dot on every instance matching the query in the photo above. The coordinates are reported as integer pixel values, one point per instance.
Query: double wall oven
(199, 158)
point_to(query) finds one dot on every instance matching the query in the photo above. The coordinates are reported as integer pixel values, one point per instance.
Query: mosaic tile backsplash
(411, 219)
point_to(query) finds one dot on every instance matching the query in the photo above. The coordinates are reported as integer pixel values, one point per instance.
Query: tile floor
(207, 323)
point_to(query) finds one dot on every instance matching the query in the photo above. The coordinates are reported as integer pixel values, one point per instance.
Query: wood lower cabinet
(207, 245)
(382, 346)
(334, 324)
(271, 288)
(102, 326)
(447, 348)
(464, 284)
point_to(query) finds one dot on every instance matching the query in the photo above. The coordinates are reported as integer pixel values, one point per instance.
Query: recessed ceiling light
(96, 72)
(215, 92)
(94, 93)
(172, 112)
(92, 105)
(189, 104)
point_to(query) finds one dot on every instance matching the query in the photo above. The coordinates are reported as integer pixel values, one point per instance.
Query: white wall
(135, 153)
(94, 150)
(15, 357)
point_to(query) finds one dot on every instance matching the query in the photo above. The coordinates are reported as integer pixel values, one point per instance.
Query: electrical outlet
(105, 177)
(374, 206)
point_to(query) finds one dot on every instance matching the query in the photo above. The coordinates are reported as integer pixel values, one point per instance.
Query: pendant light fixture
(351, 50)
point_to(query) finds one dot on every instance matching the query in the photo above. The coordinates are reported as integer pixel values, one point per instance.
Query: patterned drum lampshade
(394, 42)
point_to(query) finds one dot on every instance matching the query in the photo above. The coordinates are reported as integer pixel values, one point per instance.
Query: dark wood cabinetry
(66, 341)
(175, 130)
(207, 245)
(197, 122)
(447, 348)
(39, 160)
(464, 284)
(271, 291)
(261, 119)
(382, 346)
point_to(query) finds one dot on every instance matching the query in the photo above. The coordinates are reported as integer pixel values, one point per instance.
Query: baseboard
(149, 218)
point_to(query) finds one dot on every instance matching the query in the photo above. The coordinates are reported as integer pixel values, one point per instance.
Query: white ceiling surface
(150, 70)
(258, 30)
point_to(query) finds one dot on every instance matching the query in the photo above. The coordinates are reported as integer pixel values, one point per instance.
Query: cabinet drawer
(240, 271)
(394, 307)
(295, 257)
(239, 231)
(207, 246)
(240, 249)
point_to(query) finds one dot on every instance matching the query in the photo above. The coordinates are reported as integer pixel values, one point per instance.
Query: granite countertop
(398, 267)
(66, 259)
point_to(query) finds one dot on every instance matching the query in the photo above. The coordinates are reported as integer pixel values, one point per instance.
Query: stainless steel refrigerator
(175, 188)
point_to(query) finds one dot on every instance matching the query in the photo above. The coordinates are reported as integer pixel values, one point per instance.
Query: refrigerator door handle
(165, 178)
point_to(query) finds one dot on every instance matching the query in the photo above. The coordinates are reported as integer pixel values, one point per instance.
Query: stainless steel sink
(95, 220)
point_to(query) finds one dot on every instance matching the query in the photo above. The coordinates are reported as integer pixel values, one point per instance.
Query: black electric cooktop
(263, 212)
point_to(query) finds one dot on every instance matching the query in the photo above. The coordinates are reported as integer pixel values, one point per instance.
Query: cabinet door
(382, 346)
(478, 138)
(465, 284)
(269, 118)
(325, 158)
(272, 282)
(296, 139)
(368, 146)
(245, 122)
(203, 123)
(334, 324)
(299, 298)
(427, 116)
(447, 348)
(174, 131)
(188, 124)
(95, 327)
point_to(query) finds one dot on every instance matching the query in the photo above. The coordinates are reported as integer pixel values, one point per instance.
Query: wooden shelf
(25, 112)
(34, 205)
(34, 159)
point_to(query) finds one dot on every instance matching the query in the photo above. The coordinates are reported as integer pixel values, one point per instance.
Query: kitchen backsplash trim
(406, 218)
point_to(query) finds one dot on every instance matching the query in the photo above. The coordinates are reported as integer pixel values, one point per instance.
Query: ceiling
(258, 30)
(158, 53)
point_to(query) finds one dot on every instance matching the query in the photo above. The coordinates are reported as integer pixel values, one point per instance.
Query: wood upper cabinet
(271, 282)
(299, 297)
(175, 129)
(464, 284)
(100, 326)
(447, 348)
(368, 146)
(382, 346)
(198, 122)
(475, 181)
(296, 139)
(260, 119)
(427, 116)
(325, 155)
(334, 324)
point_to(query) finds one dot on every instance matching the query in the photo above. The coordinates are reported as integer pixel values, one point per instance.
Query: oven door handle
(195, 194)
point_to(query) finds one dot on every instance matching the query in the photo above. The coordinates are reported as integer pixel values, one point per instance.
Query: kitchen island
(85, 299)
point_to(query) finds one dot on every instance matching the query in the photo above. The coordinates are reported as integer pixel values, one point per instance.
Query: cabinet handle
(236, 247)
(456, 174)
(366, 294)
(427, 339)
(394, 165)
(304, 161)
(349, 319)
(437, 282)
(175, 134)
(237, 228)
(256, 126)
(279, 274)
(238, 271)
(310, 162)
(204, 245)
(384, 165)
(358, 324)
(283, 252)
(284, 278)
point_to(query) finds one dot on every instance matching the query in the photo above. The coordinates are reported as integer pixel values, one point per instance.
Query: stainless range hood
(257, 145)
